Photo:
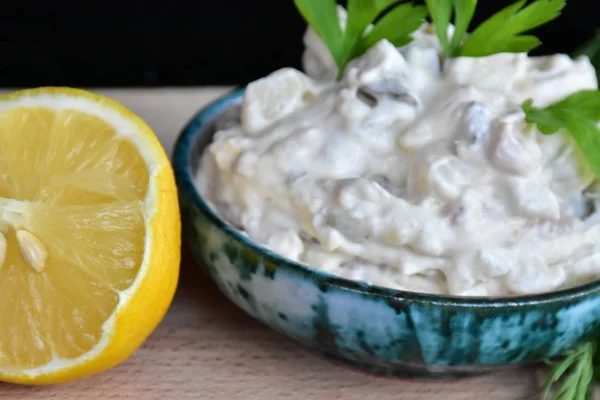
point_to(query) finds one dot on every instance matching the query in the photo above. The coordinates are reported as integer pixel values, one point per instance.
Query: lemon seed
(32, 249)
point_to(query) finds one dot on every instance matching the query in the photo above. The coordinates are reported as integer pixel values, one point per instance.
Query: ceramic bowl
(373, 328)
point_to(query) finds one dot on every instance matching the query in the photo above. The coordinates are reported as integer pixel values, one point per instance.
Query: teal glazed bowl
(372, 328)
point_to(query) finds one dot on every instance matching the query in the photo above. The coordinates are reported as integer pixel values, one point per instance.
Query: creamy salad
(412, 172)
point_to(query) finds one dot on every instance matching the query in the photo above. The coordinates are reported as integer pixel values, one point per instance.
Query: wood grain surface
(206, 348)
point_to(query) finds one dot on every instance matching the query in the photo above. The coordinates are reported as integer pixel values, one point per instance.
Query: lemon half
(90, 234)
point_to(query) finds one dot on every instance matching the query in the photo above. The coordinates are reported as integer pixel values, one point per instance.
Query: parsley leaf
(441, 15)
(395, 25)
(501, 33)
(578, 115)
(360, 15)
(573, 374)
(408, 16)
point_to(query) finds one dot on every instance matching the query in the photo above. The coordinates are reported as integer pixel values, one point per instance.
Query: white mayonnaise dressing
(412, 172)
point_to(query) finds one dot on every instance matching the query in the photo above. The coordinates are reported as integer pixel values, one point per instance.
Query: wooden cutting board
(206, 348)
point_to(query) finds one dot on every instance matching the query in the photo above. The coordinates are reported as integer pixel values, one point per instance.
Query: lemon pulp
(67, 178)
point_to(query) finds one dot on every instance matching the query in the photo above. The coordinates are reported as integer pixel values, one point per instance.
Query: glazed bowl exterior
(376, 329)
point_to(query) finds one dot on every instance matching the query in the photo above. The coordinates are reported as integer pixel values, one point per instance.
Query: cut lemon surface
(90, 234)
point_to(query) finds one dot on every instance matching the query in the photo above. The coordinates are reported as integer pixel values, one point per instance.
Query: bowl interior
(197, 134)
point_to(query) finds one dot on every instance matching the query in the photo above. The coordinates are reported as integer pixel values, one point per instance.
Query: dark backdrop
(195, 42)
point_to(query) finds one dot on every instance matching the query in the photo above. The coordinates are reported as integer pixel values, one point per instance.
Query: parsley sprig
(571, 377)
(391, 20)
(501, 33)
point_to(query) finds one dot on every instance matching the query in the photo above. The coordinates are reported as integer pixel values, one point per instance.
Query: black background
(177, 43)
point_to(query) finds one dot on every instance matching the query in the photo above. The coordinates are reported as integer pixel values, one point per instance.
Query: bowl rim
(183, 169)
